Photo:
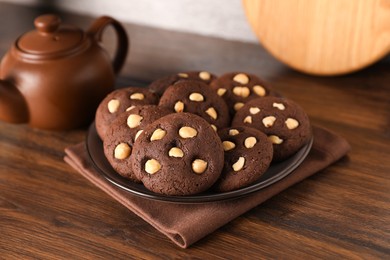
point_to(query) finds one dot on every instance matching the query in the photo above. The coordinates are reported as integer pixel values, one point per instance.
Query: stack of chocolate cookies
(193, 131)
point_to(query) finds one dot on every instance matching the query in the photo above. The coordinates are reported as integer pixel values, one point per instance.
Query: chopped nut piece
(237, 91)
(259, 90)
(269, 121)
(221, 91)
(199, 166)
(248, 119)
(137, 96)
(122, 151)
(241, 78)
(250, 142)
(279, 106)
(227, 145)
(239, 164)
(233, 132)
(152, 166)
(176, 152)
(214, 127)
(130, 108)
(187, 132)
(158, 134)
(212, 113)
(204, 75)
(179, 107)
(134, 120)
(275, 139)
(113, 105)
(238, 105)
(137, 134)
(182, 75)
(254, 110)
(291, 123)
(197, 97)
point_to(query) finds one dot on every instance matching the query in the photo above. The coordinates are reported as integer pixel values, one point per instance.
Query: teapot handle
(96, 31)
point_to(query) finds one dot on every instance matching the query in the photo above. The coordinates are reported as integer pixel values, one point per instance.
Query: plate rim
(201, 197)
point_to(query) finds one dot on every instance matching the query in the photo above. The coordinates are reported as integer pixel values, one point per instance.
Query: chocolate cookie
(248, 154)
(179, 154)
(123, 131)
(282, 120)
(197, 98)
(160, 85)
(237, 88)
(119, 101)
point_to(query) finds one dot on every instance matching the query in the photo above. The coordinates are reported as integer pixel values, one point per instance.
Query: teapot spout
(13, 106)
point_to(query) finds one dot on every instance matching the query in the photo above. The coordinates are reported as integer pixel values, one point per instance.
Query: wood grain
(48, 211)
(322, 37)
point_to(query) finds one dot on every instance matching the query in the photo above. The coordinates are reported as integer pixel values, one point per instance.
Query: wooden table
(49, 211)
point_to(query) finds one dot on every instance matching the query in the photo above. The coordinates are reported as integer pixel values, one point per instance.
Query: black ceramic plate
(276, 172)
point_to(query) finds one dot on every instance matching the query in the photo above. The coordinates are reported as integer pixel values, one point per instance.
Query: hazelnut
(152, 166)
(238, 105)
(291, 123)
(259, 90)
(241, 78)
(233, 132)
(179, 107)
(237, 91)
(221, 91)
(137, 96)
(122, 151)
(199, 166)
(197, 97)
(227, 145)
(250, 142)
(134, 120)
(158, 134)
(176, 152)
(182, 75)
(187, 132)
(204, 75)
(212, 113)
(113, 105)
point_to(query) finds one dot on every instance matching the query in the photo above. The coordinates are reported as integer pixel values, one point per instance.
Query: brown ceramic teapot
(55, 76)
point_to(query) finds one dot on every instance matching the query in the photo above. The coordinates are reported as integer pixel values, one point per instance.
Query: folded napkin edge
(76, 156)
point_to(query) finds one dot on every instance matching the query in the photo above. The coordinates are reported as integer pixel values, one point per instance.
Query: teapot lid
(49, 37)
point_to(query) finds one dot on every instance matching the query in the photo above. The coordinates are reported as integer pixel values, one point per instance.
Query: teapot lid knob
(47, 23)
(51, 38)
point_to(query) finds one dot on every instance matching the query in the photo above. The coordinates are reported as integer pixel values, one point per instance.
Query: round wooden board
(322, 37)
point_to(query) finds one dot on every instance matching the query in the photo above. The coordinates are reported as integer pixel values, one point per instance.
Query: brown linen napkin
(185, 224)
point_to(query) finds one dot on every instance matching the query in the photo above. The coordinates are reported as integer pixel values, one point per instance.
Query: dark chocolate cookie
(123, 131)
(237, 88)
(179, 154)
(160, 85)
(197, 98)
(119, 101)
(282, 120)
(248, 154)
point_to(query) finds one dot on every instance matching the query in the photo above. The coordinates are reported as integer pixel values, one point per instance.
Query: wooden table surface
(49, 211)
